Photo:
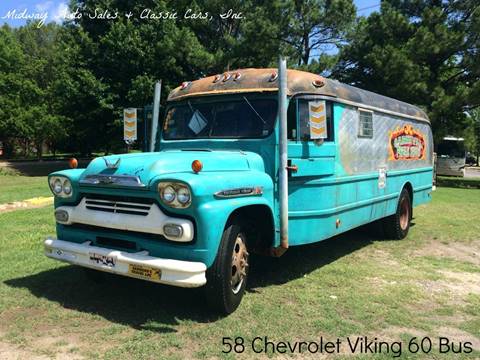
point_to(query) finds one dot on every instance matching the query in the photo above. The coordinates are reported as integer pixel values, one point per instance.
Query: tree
(421, 52)
(311, 26)
(40, 113)
(28, 114)
(13, 89)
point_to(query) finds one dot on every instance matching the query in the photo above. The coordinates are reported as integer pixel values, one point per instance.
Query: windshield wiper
(193, 110)
(255, 111)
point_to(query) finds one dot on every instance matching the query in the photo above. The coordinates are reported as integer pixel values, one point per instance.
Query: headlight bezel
(176, 186)
(65, 182)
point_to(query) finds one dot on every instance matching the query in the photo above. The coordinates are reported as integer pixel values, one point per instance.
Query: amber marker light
(197, 166)
(318, 83)
(273, 76)
(226, 76)
(237, 76)
(73, 163)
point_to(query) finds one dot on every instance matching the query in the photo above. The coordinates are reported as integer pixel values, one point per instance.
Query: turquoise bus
(249, 161)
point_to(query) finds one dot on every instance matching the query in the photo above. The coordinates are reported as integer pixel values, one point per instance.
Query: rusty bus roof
(298, 82)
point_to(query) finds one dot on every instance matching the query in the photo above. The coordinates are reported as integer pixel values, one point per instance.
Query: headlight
(183, 195)
(168, 194)
(57, 186)
(176, 195)
(67, 187)
(60, 186)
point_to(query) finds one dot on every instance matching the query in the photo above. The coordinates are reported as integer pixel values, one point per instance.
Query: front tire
(396, 226)
(227, 277)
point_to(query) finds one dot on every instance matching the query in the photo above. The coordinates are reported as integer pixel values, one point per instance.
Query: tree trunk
(39, 146)
(25, 147)
(306, 48)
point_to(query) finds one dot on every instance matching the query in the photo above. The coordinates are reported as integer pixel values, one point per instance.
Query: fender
(211, 212)
(74, 176)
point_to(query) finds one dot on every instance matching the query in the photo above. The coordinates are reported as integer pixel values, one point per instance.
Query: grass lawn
(16, 188)
(352, 285)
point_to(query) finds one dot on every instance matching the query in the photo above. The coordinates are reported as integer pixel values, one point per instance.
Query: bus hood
(146, 166)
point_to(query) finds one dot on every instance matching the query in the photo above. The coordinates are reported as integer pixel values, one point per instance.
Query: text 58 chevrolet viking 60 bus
(254, 160)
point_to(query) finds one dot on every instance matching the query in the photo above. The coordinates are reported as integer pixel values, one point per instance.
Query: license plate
(98, 259)
(145, 272)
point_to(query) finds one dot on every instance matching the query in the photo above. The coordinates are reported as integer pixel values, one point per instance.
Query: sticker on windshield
(197, 123)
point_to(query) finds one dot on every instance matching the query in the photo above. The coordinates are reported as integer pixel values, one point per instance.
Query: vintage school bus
(254, 160)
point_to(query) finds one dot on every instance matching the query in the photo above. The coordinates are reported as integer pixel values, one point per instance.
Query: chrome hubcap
(239, 263)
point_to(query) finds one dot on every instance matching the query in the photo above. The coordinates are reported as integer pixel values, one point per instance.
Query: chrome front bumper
(138, 265)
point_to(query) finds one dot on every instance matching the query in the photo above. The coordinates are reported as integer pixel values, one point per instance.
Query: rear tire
(227, 277)
(396, 226)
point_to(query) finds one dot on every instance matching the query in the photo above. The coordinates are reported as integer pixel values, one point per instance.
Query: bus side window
(304, 115)
(365, 124)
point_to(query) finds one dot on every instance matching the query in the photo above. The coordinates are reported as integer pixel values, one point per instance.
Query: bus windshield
(233, 118)
(451, 148)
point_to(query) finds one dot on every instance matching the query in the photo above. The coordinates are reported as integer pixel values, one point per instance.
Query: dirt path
(10, 351)
(26, 204)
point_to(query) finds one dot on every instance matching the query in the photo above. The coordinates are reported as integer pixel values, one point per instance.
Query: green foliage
(6, 171)
(65, 86)
(30, 112)
(421, 52)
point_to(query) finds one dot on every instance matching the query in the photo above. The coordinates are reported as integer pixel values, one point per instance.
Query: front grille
(115, 243)
(106, 232)
(120, 205)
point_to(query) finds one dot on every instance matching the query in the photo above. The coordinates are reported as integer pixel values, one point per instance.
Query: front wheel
(397, 225)
(227, 277)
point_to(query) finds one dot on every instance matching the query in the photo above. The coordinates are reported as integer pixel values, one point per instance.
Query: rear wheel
(397, 225)
(227, 277)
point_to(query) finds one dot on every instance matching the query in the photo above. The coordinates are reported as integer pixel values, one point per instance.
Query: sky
(54, 10)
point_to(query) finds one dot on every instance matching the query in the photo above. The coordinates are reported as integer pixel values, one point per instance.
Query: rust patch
(298, 82)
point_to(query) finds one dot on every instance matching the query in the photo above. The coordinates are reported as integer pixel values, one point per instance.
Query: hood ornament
(112, 165)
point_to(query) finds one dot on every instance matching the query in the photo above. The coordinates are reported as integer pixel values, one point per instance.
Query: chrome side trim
(239, 192)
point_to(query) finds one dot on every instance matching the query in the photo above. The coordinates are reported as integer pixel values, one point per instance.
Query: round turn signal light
(73, 163)
(197, 166)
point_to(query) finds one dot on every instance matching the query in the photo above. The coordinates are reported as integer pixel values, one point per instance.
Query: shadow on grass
(147, 306)
(301, 260)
